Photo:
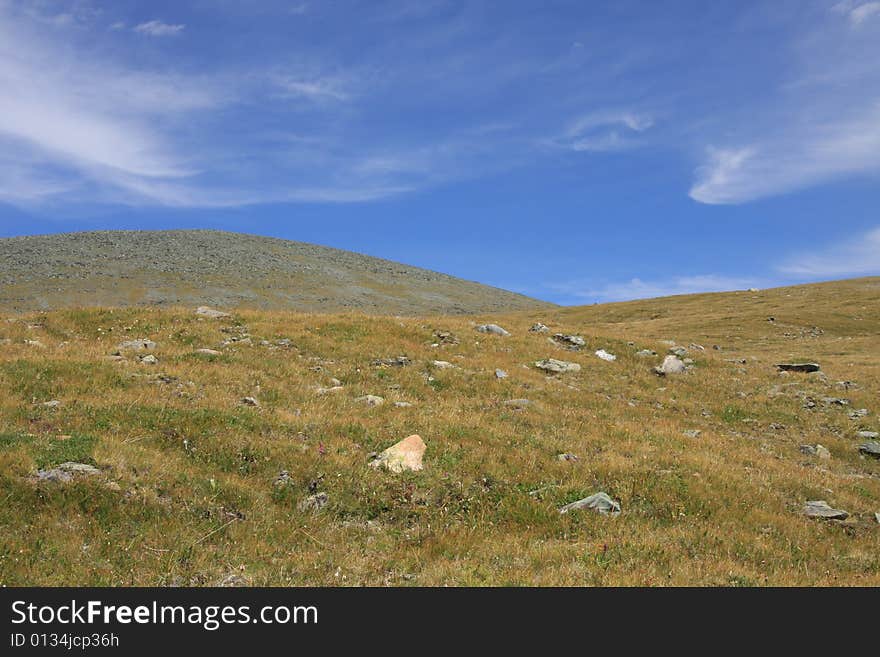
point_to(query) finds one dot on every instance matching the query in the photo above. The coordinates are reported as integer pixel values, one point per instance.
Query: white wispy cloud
(859, 256)
(314, 89)
(603, 131)
(858, 12)
(66, 137)
(636, 288)
(801, 156)
(820, 125)
(159, 29)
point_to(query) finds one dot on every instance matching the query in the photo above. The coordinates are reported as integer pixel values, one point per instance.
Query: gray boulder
(821, 509)
(870, 448)
(599, 502)
(557, 366)
(671, 365)
(493, 329)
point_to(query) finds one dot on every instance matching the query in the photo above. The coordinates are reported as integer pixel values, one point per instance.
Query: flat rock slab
(371, 400)
(604, 355)
(397, 361)
(821, 509)
(557, 366)
(798, 367)
(137, 345)
(599, 502)
(404, 455)
(67, 472)
(205, 311)
(870, 448)
(869, 435)
(208, 352)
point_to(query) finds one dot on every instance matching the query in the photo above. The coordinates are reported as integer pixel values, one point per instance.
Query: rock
(517, 403)
(208, 352)
(604, 355)
(696, 347)
(335, 383)
(492, 328)
(567, 457)
(822, 452)
(539, 328)
(835, 401)
(692, 433)
(51, 404)
(67, 472)
(877, 517)
(569, 341)
(754, 289)
(137, 345)
(250, 401)
(370, 400)
(678, 351)
(149, 359)
(397, 361)
(599, 502)
(798, 367)
(858, 413)
(205, 311)
(500, 374)
(327, 391)
(557, 366)
(869, 435)
(402, 404)
(646, 352)
(443, 365)
(445, 337)
(821, 509)
(35, 343)
(404, 455)
(314, 502)
(670, 365)
(283, 479)
(870, 448)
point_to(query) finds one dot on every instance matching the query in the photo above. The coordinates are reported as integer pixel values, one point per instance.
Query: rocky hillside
(723, 439)
(228, 270)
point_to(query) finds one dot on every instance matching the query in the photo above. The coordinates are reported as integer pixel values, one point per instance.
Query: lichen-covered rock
(599, 502)
(557, 366)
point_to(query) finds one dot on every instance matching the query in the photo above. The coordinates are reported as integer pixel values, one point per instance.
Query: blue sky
(575, 151)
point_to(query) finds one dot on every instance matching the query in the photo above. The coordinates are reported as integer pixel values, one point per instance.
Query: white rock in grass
(604, 355)
(492, 328)
(205, 311)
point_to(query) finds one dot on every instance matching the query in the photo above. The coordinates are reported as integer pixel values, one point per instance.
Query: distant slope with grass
(237, 450)
(228, 270)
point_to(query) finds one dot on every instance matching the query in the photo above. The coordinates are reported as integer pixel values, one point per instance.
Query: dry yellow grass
(188, 495)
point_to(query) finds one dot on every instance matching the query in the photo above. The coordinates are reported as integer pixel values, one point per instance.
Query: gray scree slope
(195, 267)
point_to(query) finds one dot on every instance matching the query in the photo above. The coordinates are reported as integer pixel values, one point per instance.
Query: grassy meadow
(189, 491)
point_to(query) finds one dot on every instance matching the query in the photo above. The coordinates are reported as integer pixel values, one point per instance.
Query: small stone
(205, 311)
(370, 400)
(821, 509)
(599, 502)
(869, 435)
(404, 455)
(692, 433)
(539, 328)
(250, 401)
(646, 352)
(314, 502)
(51, 404)
(443, 365)
(567, 457)
(604, 355)
(500, 374)
(327, 391)
(149, 359)
(678, 351)
(570, 341)
(798, 367)
(870, 448)
(208, 352)
(858, 413)
(397, 361)
(557, 366)
(835, 401)
(335, 383)
(517, 403)
(822, 452)
(402, 404)
(670, 365)
(493, 329)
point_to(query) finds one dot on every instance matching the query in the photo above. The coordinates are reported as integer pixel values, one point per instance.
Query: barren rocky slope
(191, 267)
